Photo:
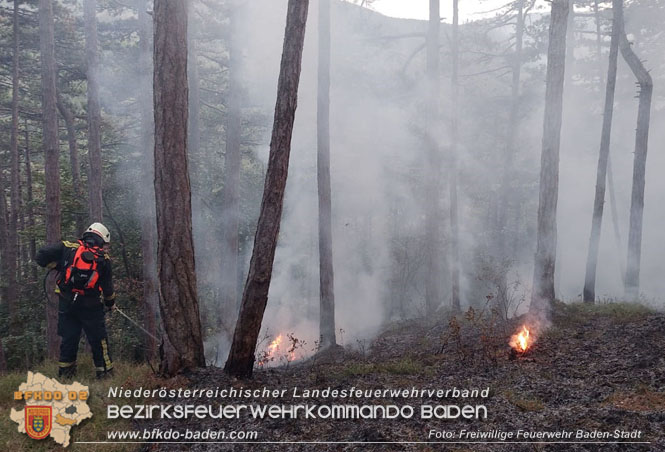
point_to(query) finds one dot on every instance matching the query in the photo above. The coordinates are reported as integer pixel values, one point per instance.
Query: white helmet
(100, 230)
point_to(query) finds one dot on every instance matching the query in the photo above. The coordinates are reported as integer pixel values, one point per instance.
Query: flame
(271, 351)
(276, 351)
(521, 341)
(274, 345)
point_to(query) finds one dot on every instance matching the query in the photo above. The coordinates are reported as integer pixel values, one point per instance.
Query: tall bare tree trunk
(74, 163)
(241, 357)
(454, 221)
(3, 359)
(15, 190)
(4, 243)
(230, 221)
(610, 177)
(433, 171)
(545, 258)
(326, 275)
(615, 216)
(30, 198)
(182, 346)
(94, 113)
(511, 138)
(147, 194)
(51, 165)
(570, 43)
(194, 131)
(632, 283)
(589, 292)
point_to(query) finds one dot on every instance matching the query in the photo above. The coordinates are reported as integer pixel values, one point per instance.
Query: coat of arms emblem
(38, 421)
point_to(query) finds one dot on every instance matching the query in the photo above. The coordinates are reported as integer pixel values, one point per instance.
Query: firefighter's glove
(110, 304)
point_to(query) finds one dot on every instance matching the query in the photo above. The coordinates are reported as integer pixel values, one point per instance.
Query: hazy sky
(419, 9)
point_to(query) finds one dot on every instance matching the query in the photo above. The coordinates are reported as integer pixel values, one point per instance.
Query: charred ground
(595, 368)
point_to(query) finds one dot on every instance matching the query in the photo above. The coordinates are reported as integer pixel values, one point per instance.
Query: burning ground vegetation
(590, 368)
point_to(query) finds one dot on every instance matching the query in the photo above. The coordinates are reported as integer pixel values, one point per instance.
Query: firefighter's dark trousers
(89, 317)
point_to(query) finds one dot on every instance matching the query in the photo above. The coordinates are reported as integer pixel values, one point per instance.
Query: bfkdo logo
(38, 421)
(51, 409)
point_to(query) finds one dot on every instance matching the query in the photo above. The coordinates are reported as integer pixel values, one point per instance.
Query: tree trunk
(454, 222)
(615, 216)
(570, 44)
(545, 258)
(51, 165)
(74, 163)
(241, 357)
(3, 359)
(610, 178)
(147, 194)
(326, 276)
(503, 237)
(29, 209)
(15, 193)
(632, 283)
(589, 292)
(4, 243)
(183, 345)
(194, 131)
(230, 218)
(94, 113)
(433, 171)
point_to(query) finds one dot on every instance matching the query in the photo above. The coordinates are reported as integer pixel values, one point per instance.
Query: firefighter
(84, 276)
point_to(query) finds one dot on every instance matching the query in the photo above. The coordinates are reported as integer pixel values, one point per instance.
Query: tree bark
(610, 178)
(326, 275)
(183, 345)
(29, 209)
(433, 170)
(75, 165)
(4, 243)
(51, 165)
(589, 292)
(615, 216)
(632, 283)
(94, 113)
(545, 258)
(230, 219)
(241, 357)
(194, 131)
(147, 194)
(3, 359)
(570, 44)
(454, 221)
(15, 190)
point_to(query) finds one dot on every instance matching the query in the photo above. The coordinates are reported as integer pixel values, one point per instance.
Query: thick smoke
(378, 162)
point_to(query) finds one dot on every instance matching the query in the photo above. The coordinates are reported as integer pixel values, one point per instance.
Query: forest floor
(596, 368)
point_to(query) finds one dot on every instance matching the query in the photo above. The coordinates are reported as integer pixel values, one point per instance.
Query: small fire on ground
(522, 340)
(281, 350)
